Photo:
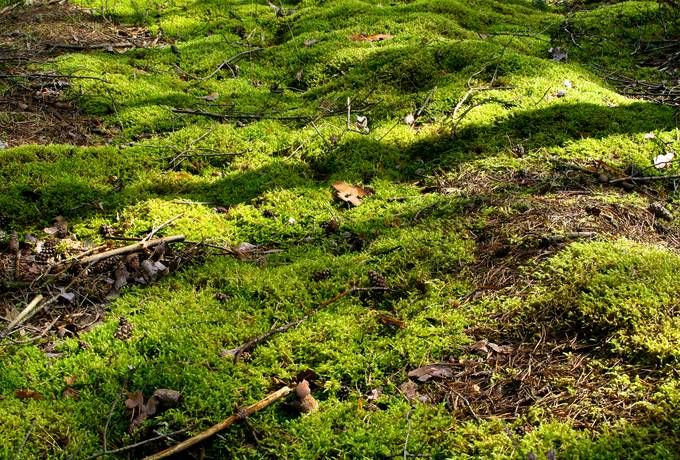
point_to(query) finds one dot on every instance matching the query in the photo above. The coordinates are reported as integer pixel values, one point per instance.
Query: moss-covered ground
(462, 226)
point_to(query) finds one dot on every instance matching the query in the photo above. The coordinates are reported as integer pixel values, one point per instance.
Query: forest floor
(456, 219)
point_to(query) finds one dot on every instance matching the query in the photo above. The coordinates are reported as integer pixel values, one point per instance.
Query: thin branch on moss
(37, 76)
(135, 445)
(249, 345)
(237, 116)
(241, 414)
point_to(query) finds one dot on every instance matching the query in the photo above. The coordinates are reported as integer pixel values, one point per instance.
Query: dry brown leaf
(351, 194)
(167, 397)
(25, 393)
(410, 390)
(70, 380)
(370, 38)
(139, 411)
(425, 373)
(71, 393)
(391, 321)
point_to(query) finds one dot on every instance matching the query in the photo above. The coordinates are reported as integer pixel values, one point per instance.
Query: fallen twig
(249, 345)
(142, 245)
(161, 226)
(213, 430)
(36, 76)
(238, 116)
(25, 314)
(135, 445)
(230, 61)
(236, 352)
(643, 179)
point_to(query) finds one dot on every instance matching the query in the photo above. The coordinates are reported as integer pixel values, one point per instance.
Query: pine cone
(222, 297)
(322, 274)
(106, 230)
(108, 265)
(124, 331)
(47, 252)
(376, 279)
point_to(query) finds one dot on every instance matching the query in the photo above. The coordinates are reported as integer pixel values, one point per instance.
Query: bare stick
(131, 248)
(237, 116)
(49, 75)
(135, 445)
(161, 226)
(230, 61)
(643, 179)
(257, 340)
(249, 345)
(213, 430)
(25, 314)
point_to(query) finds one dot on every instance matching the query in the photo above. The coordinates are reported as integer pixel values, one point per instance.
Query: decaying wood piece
(213, 430)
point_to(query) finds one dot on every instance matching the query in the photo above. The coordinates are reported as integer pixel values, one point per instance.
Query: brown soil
(38, 107)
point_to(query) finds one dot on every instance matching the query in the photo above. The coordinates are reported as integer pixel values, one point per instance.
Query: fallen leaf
(153, 270)
(167, 397)
(480, 346)
(391, 321)
(410, 390)
(649, 136)
(162, 398)
(664, 160)
(70, 380)
(370, 38)
(362, 123)
(70, 393)
(351, 194)
(26, 393)
(425, 373)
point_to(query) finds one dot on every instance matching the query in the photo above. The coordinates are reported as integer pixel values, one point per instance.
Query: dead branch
(237, 352)
(249, 345)
(136, 247)
(37, 76)
(25, 314)
(135, 445)
(228, 62)
(161, 226)
(237, 116)
(92, 46)
(241, 414)
(643, 179)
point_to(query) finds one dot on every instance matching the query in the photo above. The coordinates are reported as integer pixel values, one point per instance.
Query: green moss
(268, 182)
